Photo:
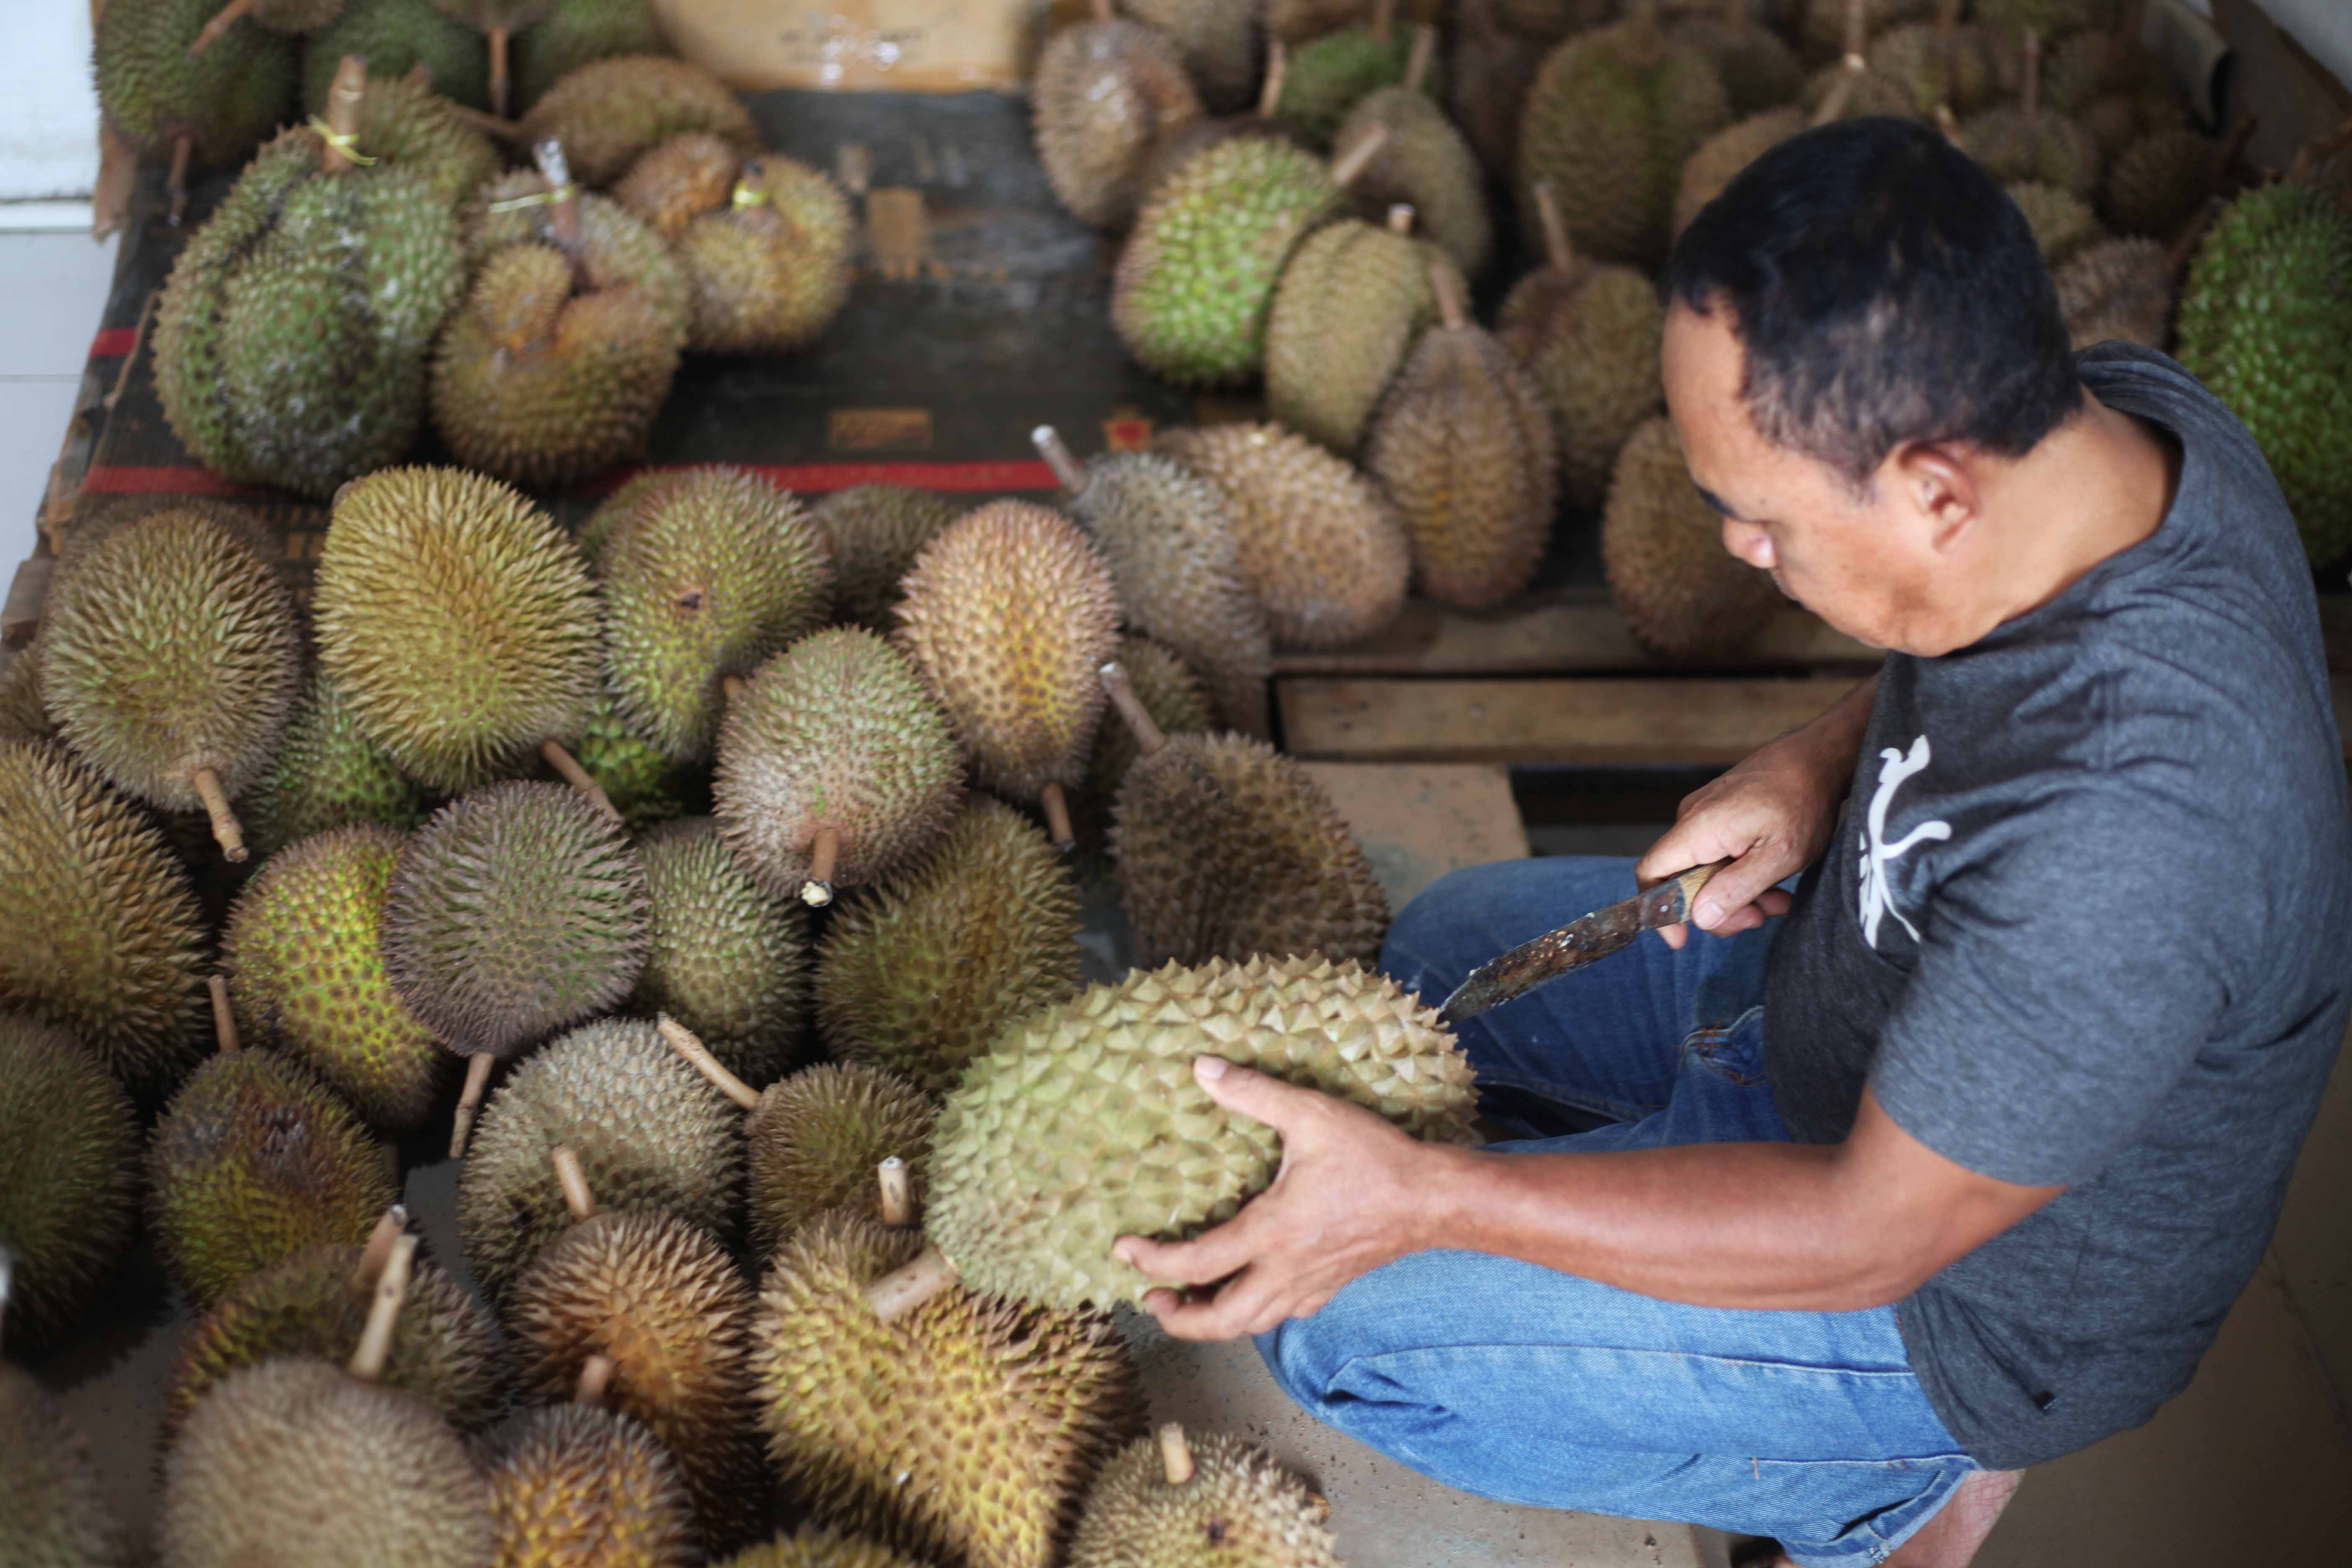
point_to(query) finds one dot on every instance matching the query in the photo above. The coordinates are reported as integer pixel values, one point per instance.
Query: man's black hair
(1885, 291)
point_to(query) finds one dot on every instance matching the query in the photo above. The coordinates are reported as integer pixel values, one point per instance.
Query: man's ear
(1938, 484)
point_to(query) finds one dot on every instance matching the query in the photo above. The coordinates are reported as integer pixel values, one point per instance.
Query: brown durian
(1105, 92)
(877, 531)
(609, 113)
(1682, 594)
(769, 268)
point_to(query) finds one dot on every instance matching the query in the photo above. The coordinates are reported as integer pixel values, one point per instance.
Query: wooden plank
(1417, 821)
(1598, 721)
(20, 616)
(1572, 630)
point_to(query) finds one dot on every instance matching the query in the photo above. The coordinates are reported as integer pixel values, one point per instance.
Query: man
(1827, 1223)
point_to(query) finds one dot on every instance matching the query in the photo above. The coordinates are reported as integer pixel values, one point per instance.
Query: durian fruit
(1329, 74)
(291, 337)
(2118, 289)
(920, 974)
(679, 179)
(1424, 164)
(170, 660)
(2116, 119)
(49, 1495)
(704, 578)
(1169, 693)
(1758, 70)
(1225, 848)
(1105, 92)
(576, 33)
(456, 621)
(1352, 302)
(1177, 148)
(1588, 333)
(518, 911)
(609, 247)
(1825, 30)
(546, 376)
(1682, 594)
(1008, 613)
(813, 1546)
(1939, 62)
(1168, 536)
(1612, 117)
(814, 1140)
(325, 773)
(770, 267)
(198, 111)
(69, 1174)
(111, 941)
(2266, 323)
(728, 959)
(645, 785)
(1173, 1501)
(875, 532)
(2161, 180)
(297, 1462)
(255, 1159)
(1194, 284)
(596, 532)
(579, 1486)
(406, 122)
(1317, 542)
(1219, 41)
(835, 766)
(653, 1136)
(609, 113)
(445, 1347)
(395, 37)
(2063, 226)
(2027, 142)
(291, 17)
(1487, 76)
(1084, 1123)
(498, 21)
(22, 716)
(305, 975)
(1463, 447)
(657, 1297)
(972, 1423)
(1719, 159)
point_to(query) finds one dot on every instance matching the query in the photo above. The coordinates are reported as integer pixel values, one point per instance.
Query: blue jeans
(1514, 1382)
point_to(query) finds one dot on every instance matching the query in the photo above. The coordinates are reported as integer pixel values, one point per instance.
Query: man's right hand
(1770, 817)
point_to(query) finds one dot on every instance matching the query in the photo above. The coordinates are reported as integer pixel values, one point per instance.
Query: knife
(1575, 944)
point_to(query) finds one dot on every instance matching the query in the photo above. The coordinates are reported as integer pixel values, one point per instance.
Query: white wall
(48, 110)
(2323, 27)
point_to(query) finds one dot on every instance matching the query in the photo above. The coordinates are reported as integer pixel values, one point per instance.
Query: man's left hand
(1352, 1193)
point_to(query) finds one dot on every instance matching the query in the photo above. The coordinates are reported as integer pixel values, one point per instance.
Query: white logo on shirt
(1893, 767)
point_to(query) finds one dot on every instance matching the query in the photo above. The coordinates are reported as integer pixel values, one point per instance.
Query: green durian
(69, 1177)
(1682, 594)
(305, 975)
(222, 103)
(921, 975)
(813, 1546)
(1084, 1123)
(609, 111)
(50, 1496)
(2061, 224)
(2016, 144)
(728, 959)
(612, 248)
(1955, 68)
(1326, 76)
(409, 124)
(325, 773)
(1183, 1500)
(771, 268)
(645, 785)
(1105, 92)
(1758, 70)
(396, 37)
(576, 33)
(596, 532)
(1353, 300)
(815, 1139)
(875, 532)
(572, 1485)
(2160, 182)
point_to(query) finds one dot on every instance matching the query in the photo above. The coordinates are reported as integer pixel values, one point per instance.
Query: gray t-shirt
(2087, 920)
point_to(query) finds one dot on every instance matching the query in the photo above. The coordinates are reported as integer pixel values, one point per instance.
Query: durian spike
(1057, 808)
(223, 1016)
(477, 1079)
(499, 80)
(1175, 1454)
(1058, 457)
(896, 1192)
(894, 1295)
(2028, 100)
(1346, 166)
(1277, 66)
(1840, 92)
(568, 767)
(227, 832)
(563, 211)
(344, 101)
(176, 182)
(225, 18)
(389, 1228)
(1449, 298)
(1424, 51)
(391, 1293)
(1149, 737)
(577, 1198)
(1558, 248)
(595, 1377)
(1383, 19)
(1400, 217)
(697, 1055)
(817, 888)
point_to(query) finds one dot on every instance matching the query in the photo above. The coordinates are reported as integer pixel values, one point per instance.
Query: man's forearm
(1838, 732)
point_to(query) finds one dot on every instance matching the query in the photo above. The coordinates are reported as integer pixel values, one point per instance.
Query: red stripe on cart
(113, 343)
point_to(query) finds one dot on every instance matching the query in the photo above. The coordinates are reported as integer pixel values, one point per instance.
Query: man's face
(1864, 563)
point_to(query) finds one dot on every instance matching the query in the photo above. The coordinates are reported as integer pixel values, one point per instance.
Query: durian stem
(1400, 217)
(223, 1019)
(1841, 93)
(227, 831)
(1449, 297)
(1149, 736)
(568, 768)
(390, 1226)
(1350, 164)
(2225, 156)
(731, 688)
(1948, 18)
(1948, 123)
(563, 212)
(1735, 14)
(1103, 11)
(487, 123)
(1175, 1454)
(1383, 19)
(227, 17)
(344, 101)
(896, 1192)
(894, 1296)
(2030, 99)
(184, 146)
(595, 1377)
(1059, 458)
(1277, 66)
(420, 77)
(391, 1293)
(1557, 249)
(577, 1198)
(1056, 807)
(697, 1055)
(499, 81)
(1425, 52)
(817, 888)
(477, 1079)
(1857, 28)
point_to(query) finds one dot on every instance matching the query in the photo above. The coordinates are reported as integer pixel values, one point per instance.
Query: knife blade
(1575, 944)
